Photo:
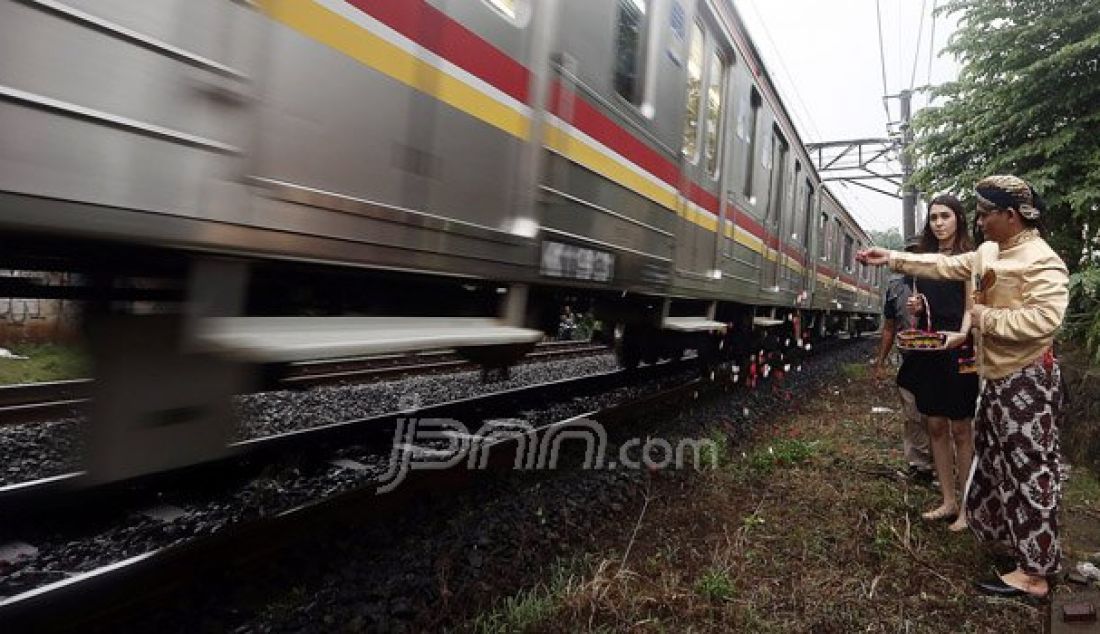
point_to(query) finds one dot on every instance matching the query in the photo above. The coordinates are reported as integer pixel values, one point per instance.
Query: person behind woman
(1016, 487)
(944, 396)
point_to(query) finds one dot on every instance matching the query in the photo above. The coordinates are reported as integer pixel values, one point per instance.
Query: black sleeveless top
(933, 377)
(948, 302)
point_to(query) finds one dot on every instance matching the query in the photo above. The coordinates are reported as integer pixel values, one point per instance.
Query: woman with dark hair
(945, 396)
(1016, 487)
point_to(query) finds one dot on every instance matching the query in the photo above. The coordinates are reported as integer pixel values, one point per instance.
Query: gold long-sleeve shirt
(1027, 302)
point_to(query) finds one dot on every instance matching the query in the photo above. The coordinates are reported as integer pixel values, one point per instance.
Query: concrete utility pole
(909, 193)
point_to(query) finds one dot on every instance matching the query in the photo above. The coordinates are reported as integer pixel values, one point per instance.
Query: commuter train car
(450, 172)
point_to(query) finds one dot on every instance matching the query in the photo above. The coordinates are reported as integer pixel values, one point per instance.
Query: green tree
(889, 239)
(1027, 102)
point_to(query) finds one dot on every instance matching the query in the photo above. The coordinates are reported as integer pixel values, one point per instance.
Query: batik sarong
(1016, 486)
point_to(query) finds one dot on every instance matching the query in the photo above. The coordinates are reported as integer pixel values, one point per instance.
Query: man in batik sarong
(1022, 292)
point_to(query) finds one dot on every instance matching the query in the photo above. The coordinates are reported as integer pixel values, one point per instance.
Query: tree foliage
(889, 239)
(1083, 315)
(1027, 102)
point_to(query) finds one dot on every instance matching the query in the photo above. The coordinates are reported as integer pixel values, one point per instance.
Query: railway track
(36, 402)
(87, 597)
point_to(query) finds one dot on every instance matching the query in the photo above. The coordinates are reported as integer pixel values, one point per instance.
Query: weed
(715, 585)
(534, 606)
(783, 453)
(854, 371)
(521, 612)
(715, 453)
(884, 538)
(752, 521)
(1083, 489)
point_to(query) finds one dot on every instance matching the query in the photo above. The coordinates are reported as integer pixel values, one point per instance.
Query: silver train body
(544, 143)
(632, 154)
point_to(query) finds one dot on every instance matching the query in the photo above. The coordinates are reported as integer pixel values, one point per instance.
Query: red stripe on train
(431, 28)
(571, 108)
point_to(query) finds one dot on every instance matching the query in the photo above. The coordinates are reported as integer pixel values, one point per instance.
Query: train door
(130, 121)
(484, 177)
(773, 219)
(707, 72)
(787, 233)
(801, 238)
(406, 127)
(816, 263)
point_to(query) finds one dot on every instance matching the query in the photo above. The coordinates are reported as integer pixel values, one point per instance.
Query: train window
(694, 93)
(777, 196)
(629, 44)
(823, 240)
(846, 259)
(809, 210)
(507, 7)
(795, 203)
(716, 83)
(837, 232)
(753, 115)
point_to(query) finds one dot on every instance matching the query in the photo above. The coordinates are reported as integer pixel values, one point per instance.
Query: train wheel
(709, 352)
(651, 346)
(629, 348)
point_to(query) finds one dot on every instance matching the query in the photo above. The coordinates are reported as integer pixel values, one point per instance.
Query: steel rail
(38, 402)
(111, 592)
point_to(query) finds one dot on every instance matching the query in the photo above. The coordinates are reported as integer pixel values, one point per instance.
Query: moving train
(324, 178)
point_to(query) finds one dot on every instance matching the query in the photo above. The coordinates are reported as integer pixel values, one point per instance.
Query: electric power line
(882, 59)
(901, 37)
(916, 49)
(932, 43)
(811, 126)
(852, 198)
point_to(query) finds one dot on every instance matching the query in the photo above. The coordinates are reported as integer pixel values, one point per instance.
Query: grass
(716, 453)
(811, 530)
(531, 608)
(715, 585)
(45, 362)
(854, 371)
(519, 613)
(783, 452)
(1083, 489)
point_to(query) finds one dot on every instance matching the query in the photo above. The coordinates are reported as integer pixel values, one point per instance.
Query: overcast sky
(824, 57)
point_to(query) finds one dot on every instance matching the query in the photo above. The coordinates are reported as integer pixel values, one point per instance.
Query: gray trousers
(915, 433)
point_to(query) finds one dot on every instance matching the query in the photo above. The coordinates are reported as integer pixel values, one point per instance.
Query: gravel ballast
(40, 450)
(446, 558)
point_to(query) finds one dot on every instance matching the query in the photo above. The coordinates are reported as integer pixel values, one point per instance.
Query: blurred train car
(322, 178)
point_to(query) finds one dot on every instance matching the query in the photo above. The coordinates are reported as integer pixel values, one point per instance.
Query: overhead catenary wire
(851, 197)
(810, 125)
(916, 49)
(932, 43)
(901, 38)
(882, 60)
